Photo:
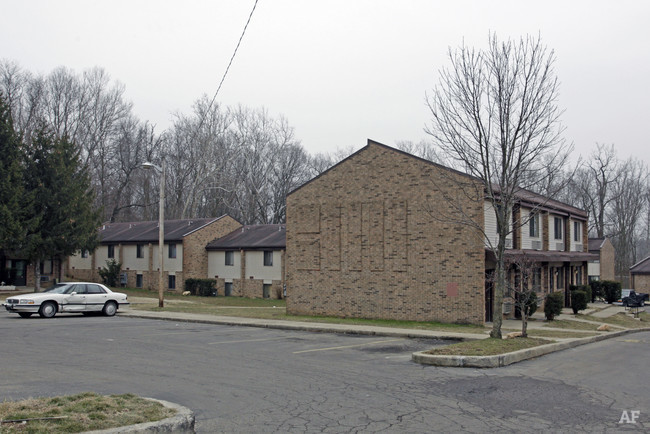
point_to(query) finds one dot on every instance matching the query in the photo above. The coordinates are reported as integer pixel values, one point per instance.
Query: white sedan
(81, 297)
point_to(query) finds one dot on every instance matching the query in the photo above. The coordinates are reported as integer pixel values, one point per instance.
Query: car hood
(38, 296)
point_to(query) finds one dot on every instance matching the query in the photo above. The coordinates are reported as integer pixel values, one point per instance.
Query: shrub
(111, 273)
(553, 304)
(585, 288)
(596, 290)
(201, 287)
(611, 290)
(579, 300)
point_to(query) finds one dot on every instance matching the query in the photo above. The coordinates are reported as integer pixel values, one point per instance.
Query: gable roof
(252, 237)
(595, 244)
(524, 196)
(147, 231)
(642, 267)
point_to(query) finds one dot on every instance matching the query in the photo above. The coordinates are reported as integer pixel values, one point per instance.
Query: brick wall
(195, 257)
(641, 282)
(373, 237)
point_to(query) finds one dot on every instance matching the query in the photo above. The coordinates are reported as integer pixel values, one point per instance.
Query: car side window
(79, 289)
(94, 289)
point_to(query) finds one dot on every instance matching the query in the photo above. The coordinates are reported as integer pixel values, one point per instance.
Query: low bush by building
(553, 304)
(201, 287)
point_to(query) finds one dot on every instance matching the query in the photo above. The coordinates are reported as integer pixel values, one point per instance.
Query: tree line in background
(242, 161)
(235, 160)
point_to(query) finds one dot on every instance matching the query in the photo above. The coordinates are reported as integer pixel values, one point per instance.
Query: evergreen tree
(13, 203)
(63, 200)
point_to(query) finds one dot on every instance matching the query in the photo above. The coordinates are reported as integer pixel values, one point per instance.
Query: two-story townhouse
(250, 261)
(135, 246)
(551, 235)
(385, 234)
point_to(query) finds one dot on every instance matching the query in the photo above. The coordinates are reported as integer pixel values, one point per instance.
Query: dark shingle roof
(595, 244)
(252, 237)
(147, 232)
(642, 267)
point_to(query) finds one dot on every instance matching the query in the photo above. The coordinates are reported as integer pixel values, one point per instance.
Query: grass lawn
(488, 347)
(269, 309)
(575, 325)
(78, 413)
(549, 333)
(623, 320)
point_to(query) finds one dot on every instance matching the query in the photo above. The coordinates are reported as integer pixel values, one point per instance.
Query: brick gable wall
(369, 239)
(195, 257)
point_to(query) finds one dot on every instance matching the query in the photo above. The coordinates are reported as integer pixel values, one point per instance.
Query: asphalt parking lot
(243, 379)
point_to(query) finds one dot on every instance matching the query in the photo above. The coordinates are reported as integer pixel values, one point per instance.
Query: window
(84, 253)
(111, 251)
(138, 280)
(533, 225)
(537, 280)
(560, 277)
(577, 231)
(139, 251)
(46, 266)
(268, 258)
(230, 258)
(172, 250)
(172, 282)
(94, 289)
(558, 228)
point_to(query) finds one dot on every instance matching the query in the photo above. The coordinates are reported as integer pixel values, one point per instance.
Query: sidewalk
(508, 325)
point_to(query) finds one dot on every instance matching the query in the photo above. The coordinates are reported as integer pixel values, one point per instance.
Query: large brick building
(385, 234)
(135, 246)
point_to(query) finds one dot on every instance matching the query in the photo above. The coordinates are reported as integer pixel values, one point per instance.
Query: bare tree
(628, 203)
(495, 114)
(523, 286)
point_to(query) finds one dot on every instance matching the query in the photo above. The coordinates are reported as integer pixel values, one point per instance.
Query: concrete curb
(314, 327)
(506, 359)
(182, 422)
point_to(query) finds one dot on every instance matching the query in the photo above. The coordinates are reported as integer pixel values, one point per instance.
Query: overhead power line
(228, 67)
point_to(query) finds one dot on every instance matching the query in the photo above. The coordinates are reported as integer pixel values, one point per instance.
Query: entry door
(18, 272)
(489, 295)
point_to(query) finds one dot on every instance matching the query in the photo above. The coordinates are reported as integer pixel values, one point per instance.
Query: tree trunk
(37, 275)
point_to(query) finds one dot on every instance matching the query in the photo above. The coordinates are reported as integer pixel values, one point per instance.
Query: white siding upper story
(171, 265)
(130, 258)
(491, 226)
(255, 266)
(576, 236)
(556, 233)
(77, 262)
(217, 265)
(531, 229)
(593, 268)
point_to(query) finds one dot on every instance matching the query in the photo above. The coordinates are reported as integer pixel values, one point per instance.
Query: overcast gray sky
(341, 71)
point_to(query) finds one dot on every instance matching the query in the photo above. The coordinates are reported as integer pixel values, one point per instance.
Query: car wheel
(47, 310)
(110, 308)
(25, 314)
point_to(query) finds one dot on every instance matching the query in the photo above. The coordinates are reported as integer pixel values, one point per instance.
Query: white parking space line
(246, 340)
(348, 346)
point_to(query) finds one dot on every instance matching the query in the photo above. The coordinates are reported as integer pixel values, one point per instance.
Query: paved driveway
(240, 379)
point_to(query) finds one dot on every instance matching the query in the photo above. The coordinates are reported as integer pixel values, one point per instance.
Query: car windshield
(60, 288)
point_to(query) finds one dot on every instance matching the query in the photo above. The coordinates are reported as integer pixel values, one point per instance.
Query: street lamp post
(161, 229)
